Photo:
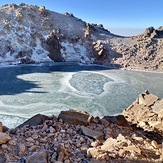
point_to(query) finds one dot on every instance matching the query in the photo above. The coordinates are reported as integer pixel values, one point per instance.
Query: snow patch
(74, 53)
(39, 54)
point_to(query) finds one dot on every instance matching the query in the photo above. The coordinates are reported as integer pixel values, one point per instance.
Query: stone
(120, 137)
(104, 122)
(30, 139)
(147, 99)
(35, 120)
(75, 117)
(22, 148)
(2, 158)
(4, 138)
(54, 48)
(132, 149)
(91, 133)
(154, 144)
(61, 153)
(94, 152)
(33, 148)
(119, 120)
(150, 99)
(158, 107)
(38, 157)
(109, 144)
(1, 127)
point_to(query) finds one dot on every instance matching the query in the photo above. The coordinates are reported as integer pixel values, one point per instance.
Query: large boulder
(119, 120)
(91, 133)
(75, 117)
(35, 120)
(54, 47)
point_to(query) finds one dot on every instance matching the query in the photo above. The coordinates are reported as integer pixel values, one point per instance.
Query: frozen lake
(28, 90)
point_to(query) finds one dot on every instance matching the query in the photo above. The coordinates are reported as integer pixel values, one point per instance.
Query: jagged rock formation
(141, 52)
(146, 112)
(32, 34)
(76, 136)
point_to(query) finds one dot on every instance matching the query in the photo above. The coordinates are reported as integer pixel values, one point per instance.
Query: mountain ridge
(33, 34)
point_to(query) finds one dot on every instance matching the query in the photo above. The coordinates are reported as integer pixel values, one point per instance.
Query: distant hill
(32, 34)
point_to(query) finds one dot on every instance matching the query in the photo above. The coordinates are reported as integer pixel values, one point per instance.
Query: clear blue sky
(123, 16)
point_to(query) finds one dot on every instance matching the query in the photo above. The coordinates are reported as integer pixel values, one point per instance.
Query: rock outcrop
(146, 112)
(74, 136)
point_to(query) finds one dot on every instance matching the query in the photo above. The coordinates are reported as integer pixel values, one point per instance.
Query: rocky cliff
(32, 34)
(135, 136)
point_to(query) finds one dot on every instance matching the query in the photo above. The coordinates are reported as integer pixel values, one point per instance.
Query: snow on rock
(74, 53)
(39, 54)
(24, 33)
(25, 37)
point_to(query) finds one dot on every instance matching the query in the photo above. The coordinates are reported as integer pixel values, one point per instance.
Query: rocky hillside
(32, 34)
(135, 136)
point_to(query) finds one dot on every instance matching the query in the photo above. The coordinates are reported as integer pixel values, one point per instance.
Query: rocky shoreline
(136, 135)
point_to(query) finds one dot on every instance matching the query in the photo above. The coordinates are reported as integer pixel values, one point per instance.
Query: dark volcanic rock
(35, 120)
(54, 47)
(120, 120)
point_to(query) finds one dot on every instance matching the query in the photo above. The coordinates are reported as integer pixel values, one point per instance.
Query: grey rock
(91, 133)
(38, 157)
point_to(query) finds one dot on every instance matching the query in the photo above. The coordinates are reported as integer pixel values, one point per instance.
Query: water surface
(28, 90)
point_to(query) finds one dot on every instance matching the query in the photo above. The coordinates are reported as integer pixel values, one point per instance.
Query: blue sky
(126, 17)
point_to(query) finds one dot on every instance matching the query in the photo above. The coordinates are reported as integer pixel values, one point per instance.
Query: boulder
(91, 133)
(75, 117)
(35, 120)
(4, 138)
(38, 157)
(54, 47)
(119, 120)
(147, 99)
(3, 158)
(158, 107)
(148, 31)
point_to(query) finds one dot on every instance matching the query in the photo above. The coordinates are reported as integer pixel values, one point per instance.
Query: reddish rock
(75, 117)
(91, 133)
(4, 138)
(38, 157)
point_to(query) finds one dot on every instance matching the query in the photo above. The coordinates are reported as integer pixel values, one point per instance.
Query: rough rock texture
(100, 140)
(4, 138)
(54, 48)
(141, 52)
(75, 117)
(146, 112)
(35, 120)
(32, 34)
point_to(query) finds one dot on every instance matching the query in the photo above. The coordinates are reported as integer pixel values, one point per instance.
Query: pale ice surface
(29, 90)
